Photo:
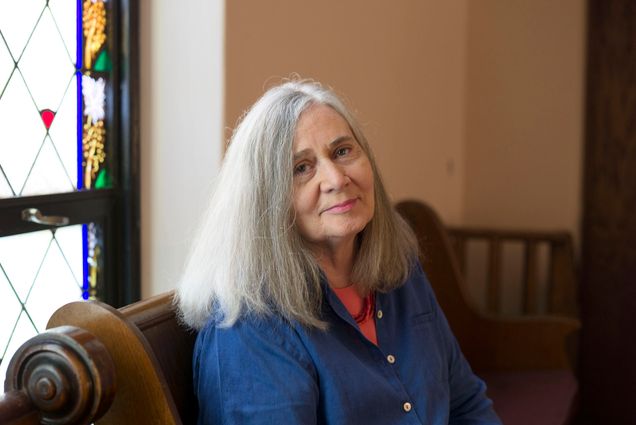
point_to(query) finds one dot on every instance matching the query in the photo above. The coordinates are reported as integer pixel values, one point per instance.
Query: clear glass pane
(21, 132)
(21, 257)
(21, 331)
(63, 132)
(65, 16)
(46, 65)
(54, 286)
(39, 272)
(48, 174)
(66, 238)
(6, 65)
(10, 309)
(5, 189)
(17, 20)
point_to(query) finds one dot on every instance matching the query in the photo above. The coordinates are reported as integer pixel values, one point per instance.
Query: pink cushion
(532, 397)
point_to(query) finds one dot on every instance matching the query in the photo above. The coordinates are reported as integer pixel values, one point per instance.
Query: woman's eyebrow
(335, 142)
(340, 139)
(301, 154)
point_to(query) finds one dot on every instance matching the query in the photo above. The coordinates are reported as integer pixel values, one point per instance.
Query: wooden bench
(559, 294)
(134, 366)
(527, 362)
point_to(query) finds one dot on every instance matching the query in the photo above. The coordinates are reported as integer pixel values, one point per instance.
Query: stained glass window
(57, 107)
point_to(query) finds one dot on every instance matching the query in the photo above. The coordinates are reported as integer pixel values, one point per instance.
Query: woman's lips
(342, 207)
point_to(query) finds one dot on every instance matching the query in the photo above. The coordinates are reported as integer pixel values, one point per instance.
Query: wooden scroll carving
(62, 376)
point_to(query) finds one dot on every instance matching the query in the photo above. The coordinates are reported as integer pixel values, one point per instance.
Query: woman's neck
(337, 263)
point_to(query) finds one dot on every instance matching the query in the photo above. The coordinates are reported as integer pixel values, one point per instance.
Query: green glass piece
(103, 180)
(103, 62)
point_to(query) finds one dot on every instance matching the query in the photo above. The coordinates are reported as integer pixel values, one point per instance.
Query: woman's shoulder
(416, 293)
(249, 334)
(417, 279)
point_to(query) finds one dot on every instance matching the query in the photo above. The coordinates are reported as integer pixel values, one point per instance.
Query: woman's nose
(333, 177)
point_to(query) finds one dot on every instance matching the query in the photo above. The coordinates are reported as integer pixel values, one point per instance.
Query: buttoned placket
(387, 361)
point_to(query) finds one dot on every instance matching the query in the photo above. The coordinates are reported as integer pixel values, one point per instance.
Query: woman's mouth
(342, 207)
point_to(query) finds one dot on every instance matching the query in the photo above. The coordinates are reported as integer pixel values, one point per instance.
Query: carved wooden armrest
(62, 376)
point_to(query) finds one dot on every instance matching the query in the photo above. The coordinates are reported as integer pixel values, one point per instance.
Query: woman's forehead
(320, 124)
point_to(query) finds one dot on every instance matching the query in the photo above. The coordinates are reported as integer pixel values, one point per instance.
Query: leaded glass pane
(21, 330)
(48, 174)
(53, 79)
(6, 65)
(17, 20)
(65, 15)
(10, 310)
(21, 132)
(20, 258)
(66, 238)
(64, 128)
(40, 272)
(5, 189)
(46, 66)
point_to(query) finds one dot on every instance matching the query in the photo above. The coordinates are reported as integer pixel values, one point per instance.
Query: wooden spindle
(460, 252)
(493, 303)
(531, 278)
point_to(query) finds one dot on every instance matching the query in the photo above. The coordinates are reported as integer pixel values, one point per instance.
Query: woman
(305, 287)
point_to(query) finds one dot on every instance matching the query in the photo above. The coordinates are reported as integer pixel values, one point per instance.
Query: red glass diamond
(47, 117)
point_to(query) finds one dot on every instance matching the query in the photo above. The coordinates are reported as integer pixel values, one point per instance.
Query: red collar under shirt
(360, 308)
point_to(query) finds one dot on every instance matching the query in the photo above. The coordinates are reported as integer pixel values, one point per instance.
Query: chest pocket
(429, 346)
(421, 318)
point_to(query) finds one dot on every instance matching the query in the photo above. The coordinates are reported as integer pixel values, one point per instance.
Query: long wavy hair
(248, 257)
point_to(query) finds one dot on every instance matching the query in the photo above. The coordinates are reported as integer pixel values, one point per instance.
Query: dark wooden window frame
(117, 209)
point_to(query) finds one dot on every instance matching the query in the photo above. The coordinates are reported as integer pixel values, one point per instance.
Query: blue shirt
(265, 370)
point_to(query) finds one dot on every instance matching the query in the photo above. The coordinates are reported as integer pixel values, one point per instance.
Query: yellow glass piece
(94, 26)
(93, 146)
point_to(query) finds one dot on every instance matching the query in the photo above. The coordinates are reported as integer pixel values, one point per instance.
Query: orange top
(361, 309)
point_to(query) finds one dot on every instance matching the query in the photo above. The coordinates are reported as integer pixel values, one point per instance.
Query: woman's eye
(301, 169)
(342, 151)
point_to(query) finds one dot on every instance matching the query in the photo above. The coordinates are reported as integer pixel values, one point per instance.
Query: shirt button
(407, 407)
(390, 358)
(380, 314)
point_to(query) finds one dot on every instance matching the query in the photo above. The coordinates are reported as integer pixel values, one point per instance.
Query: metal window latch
(35, 216)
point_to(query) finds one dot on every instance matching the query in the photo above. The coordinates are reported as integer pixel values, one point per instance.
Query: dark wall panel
(608, 268)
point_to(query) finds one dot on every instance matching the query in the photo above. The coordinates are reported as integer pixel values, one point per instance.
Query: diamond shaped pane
(55, 286)
(21, 132)
(10, 309)
(69, 240)
(46, 65)
(21, 257)
(22, 332)
(6, 65)
(5, 189)
(65, 15)
(17, 20)
(48, 174)
(63, 131)
(46, 270)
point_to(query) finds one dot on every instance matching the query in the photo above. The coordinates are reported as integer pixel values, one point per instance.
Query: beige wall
(474, 106)
(181, 47)
(400, 64)
(524, 109)
(524, 128)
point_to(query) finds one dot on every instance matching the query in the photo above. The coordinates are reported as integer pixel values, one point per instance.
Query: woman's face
(333, 180)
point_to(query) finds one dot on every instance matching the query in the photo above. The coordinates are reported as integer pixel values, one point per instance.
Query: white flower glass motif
(94, 97)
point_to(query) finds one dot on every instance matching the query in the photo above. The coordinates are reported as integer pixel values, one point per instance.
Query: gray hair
(248, 257)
